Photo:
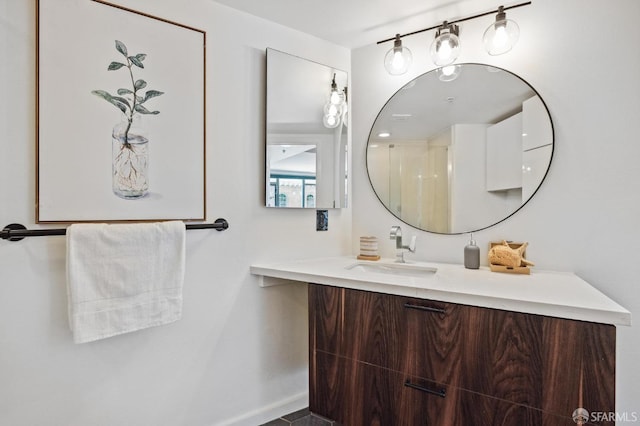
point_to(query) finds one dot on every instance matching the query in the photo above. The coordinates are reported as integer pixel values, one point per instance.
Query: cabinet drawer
(404, 334)
(355, 394)
(409, 335)
(358, 394)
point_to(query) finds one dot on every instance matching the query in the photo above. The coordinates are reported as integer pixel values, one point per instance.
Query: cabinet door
(536, 124)
(553, 364)
(326, 321)
(578, 366)
(535, 164)
(504, 154)
(503, 355)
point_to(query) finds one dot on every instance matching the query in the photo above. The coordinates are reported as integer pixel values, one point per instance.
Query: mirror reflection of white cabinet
(468, 193)
(504, 154)
(535, 163)
(536, 130)
(537, 144)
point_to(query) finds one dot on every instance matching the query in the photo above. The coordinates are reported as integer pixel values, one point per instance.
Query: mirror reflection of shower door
(436, 215)
(419, 184)
(395, 180)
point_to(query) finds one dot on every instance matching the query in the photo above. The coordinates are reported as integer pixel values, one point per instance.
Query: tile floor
(301, 418)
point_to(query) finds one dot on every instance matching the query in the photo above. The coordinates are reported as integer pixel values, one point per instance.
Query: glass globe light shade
(332, 115)
(332, 109)
(331, 121)
(336, 97)
(501, 36)
(445, 48)
(398, 59)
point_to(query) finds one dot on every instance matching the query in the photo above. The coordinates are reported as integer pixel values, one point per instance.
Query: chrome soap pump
(472, 254)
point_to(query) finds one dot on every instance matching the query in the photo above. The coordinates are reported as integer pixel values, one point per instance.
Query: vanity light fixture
(499, 38)
(502, 35)
(335, 106)
(445, 48)
(398, 59)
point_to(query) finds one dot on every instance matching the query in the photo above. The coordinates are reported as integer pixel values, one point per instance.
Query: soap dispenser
(472, 255)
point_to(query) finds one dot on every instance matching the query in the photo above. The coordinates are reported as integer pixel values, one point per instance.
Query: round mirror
(460, 148)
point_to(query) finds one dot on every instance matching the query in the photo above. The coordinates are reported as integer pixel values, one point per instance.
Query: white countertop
(556, 294)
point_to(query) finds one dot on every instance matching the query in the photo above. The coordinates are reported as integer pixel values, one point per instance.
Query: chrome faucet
(396, 234)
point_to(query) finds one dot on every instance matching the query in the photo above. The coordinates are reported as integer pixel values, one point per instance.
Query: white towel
(123, 277)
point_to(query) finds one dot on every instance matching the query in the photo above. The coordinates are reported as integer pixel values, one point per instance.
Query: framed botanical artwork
(120, 115)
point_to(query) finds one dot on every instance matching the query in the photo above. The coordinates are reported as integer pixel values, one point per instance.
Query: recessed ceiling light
(401, 117)
(384, 134)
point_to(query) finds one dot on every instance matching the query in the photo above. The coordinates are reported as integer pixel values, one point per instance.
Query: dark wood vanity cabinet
(378, 359)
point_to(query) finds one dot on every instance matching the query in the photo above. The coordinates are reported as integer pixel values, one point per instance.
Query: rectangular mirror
(306, 134)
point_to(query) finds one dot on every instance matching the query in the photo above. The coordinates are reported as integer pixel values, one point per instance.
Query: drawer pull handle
(424, 308)
(438, 392)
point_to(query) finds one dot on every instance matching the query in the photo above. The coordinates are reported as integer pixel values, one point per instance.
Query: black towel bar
(16, 231)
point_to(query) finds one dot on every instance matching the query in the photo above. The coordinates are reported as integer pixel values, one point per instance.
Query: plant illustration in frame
(87, 104)
(130, 144)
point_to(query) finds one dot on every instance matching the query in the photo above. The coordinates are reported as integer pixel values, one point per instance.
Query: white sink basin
(401, 269)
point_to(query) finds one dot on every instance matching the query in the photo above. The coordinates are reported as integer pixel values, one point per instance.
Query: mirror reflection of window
(292, 171)
(292, 191)
(271, 199)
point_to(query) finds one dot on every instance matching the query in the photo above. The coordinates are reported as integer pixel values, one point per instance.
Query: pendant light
(333, 109)
(446, 47)
(502, 35)
(337, 96)
(332, 115)
(398, 59)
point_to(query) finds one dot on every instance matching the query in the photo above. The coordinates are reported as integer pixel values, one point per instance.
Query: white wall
(585, 217)
(239, 355)
(241, 350)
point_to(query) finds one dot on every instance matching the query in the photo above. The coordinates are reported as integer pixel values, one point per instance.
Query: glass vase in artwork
(130, 159)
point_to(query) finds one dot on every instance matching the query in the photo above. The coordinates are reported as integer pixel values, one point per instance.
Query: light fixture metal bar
(468, 18)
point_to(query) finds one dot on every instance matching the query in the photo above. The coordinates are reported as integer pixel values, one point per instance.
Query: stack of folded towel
(368, 248)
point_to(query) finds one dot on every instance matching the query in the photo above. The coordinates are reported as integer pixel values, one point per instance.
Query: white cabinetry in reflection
(504, 154)
(537, 139)
(536, 130)
(534, 165)
(519, 149)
